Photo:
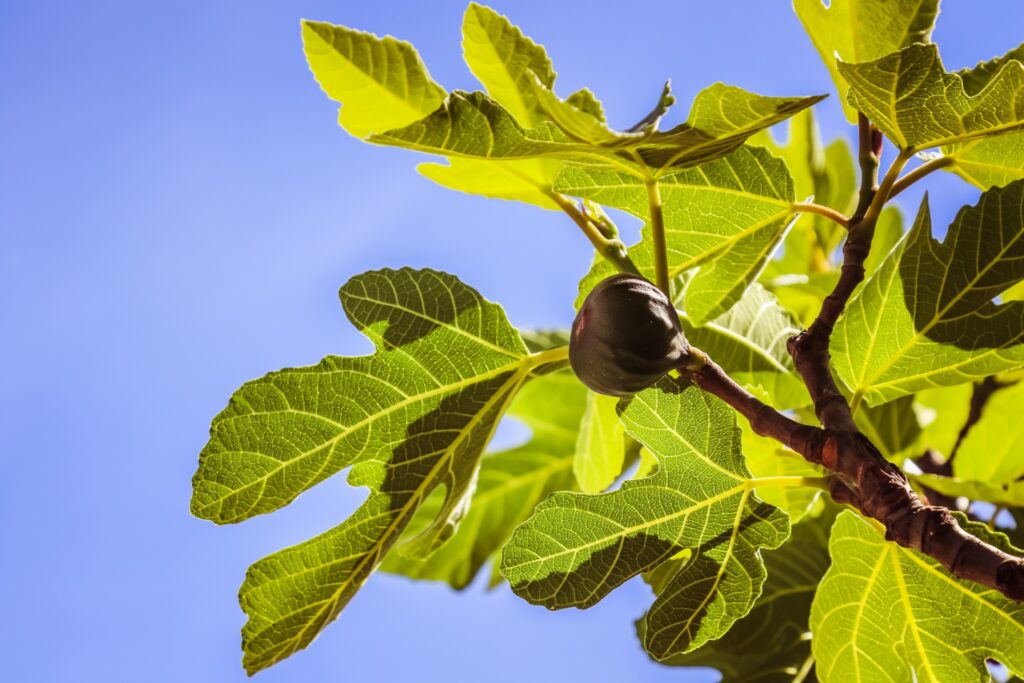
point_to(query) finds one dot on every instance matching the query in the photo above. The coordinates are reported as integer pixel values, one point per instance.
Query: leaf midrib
(394, 527)
(918, 333)
(333, 441)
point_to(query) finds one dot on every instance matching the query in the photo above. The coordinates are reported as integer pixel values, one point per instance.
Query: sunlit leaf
(926, 318)
(510, 484)
(894, 91)
(381, 83)
(578, 547)
(884, 612)
(772, 644)
(726, 216)
(864, 30)
(475, 125)
(412, 417)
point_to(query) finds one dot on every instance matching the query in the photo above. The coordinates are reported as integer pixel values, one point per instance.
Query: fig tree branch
(863, 479)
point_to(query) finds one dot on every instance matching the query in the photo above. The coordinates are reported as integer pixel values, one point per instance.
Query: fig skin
(625, 337)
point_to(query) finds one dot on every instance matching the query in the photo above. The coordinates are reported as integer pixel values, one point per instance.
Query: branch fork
(859, 475)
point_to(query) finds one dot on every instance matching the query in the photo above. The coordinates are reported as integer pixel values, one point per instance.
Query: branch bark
(877, 488)
(862, 478)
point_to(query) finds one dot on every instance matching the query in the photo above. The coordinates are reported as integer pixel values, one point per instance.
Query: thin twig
(918, 173)
(865, 480)
(821, 210)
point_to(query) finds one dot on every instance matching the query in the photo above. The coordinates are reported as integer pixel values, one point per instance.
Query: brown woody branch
(876, 487)
(863, 478)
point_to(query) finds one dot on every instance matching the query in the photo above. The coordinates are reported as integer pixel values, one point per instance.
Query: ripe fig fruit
(625, 337)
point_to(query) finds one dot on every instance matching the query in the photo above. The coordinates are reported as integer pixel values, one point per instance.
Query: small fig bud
(625, 337)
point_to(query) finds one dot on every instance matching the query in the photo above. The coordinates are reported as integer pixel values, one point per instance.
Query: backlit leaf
(510, 484)
(414, 416)
(577, 547)
(927, 318)
(381, 82)
(772, 644)
(726, 216)
(475, 125)
(749, 342)
(894, 91)
(864, 30)
(884, 612)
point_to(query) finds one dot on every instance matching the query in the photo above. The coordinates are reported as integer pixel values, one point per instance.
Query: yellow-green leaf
(510, 484)
(894, 91)
(578, 547)
(887, 613)
(864, 30)
(927, 317)
(381, 83)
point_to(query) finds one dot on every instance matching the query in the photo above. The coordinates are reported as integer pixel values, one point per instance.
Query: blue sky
(179, 209)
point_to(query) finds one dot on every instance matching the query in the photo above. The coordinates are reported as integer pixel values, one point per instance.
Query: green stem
(554, 355)
(885, 189)
(658, 237)
(610, 248)
(821, 210)
(918, 173)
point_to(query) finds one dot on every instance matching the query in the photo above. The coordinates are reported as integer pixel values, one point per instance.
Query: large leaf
(506, 62)
(381, 82)
(510, 484)
(864, 30)
(893, 92)
(414, 416)
(578, 547)
(726, 216)
(927, 317)
(889, 613)
(772, 643)
(477, 126)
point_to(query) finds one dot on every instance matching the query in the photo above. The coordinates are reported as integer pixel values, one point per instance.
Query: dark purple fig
(625, 337)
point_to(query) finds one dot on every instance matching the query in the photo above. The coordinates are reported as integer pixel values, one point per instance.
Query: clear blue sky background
(178, 210)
